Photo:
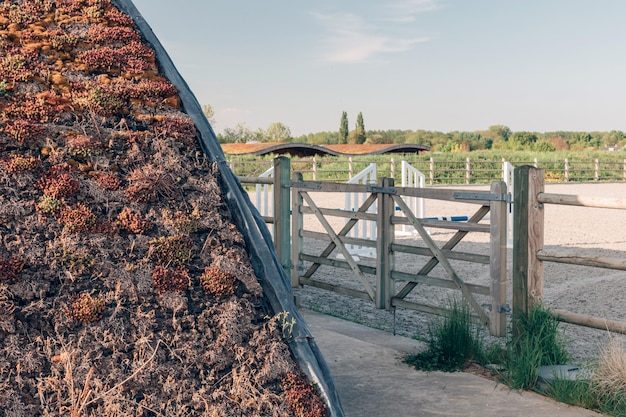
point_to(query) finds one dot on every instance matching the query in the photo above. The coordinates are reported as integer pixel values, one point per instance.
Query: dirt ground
(583, 290)
(126, 288)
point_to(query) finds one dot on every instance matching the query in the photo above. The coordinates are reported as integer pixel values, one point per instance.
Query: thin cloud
(412, 7)
(351, 38)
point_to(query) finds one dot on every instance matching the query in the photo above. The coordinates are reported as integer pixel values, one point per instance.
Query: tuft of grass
(577, 393)
(452, 342)
(609, 380)
(537, 342)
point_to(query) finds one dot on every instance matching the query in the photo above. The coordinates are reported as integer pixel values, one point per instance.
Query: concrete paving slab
(372, 381)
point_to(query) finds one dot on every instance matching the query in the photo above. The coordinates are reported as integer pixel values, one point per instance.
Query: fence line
(529, 253)
(439, 171)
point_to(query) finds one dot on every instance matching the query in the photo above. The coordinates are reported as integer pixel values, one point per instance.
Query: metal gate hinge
(309, 185)
(504, 308)
(463, 195)
(385, 190)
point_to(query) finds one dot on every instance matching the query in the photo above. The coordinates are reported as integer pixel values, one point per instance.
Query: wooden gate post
(282, 206)
(297, 223)
(498, 243)
(528, 235)
(385, 236)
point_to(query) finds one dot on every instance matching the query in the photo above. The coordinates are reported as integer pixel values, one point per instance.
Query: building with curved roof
(308, 149)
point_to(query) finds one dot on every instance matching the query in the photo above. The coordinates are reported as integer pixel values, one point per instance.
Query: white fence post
(363, 228)
(264, 203)
(508, 177)
(412, 177)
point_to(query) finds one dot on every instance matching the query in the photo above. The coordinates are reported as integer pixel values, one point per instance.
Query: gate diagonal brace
(440, 258)
(348, 257)
(343, 232)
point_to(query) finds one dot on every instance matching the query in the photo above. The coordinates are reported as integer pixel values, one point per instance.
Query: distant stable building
(307, 149)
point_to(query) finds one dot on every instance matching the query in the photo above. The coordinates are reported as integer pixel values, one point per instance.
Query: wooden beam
(282, 206)
(437, 282)
(582, 201)
(594, 261)
(336, 263)
(457, 256)
(324, 237)
(589, 321)
(497, 266)
(442, 224)
(528, 222)
(385, 234)
(337, 289)
(297, 223)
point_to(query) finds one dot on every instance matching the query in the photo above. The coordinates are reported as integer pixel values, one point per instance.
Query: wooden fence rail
(530, 255)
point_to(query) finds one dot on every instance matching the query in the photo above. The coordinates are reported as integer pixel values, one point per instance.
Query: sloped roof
(307, 149)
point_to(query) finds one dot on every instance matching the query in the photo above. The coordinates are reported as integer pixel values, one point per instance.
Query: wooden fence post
(468, 171)
(566, 170)
(314, 168)
(497, 257)
(350, 168)
(596, 169)
(385, 235)
(528, 235)
(297, 223)
(282, 206)
(432, 170)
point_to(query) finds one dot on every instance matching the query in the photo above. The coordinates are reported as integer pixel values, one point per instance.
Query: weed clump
(78, 218)
(132, 222)
(108, 181)
(170, 279)
(49, 205)
(19, 163)
(11, 270)
(453, 342)
(85, 308)
(535, 343)
(59, 182)
(219, 283)
(608, 384)
(171, 250)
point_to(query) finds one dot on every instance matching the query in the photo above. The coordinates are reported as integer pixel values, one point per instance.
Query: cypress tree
(360, 129)
(343, 128)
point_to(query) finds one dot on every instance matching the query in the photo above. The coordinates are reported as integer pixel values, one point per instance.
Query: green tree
(343, 128)
(209, 113)
(238, 134)
(360, 129)
(523, 140)
(278, 132)
(501, 131)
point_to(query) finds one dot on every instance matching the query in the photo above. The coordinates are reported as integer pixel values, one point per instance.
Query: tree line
(496, 137)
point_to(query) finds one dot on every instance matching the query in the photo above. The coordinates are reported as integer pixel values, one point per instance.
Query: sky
(445, 65)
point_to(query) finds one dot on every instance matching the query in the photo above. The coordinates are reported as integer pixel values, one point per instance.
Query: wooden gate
(383, 283)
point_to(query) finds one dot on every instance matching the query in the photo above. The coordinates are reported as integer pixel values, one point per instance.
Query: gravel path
(584, 290)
